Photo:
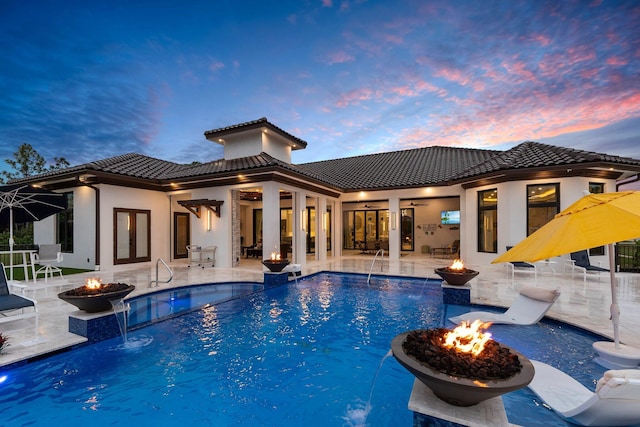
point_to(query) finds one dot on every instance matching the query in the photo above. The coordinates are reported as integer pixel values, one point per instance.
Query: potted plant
(4, 342)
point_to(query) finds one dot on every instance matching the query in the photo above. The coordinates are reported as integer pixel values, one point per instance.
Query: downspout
(97, 220)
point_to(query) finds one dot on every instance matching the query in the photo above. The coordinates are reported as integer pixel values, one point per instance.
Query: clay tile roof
(407, 168)
(428, 166)
(534, 154)
(254, 124)
(136, 165)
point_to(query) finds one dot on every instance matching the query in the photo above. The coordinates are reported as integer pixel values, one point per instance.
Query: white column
(270, 219)
(301, 228)
(394, 228)
(321, 232)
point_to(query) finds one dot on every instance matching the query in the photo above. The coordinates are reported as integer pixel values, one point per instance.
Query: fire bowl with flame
(456, 274)
(95, 296)
(444, 361)
(276, 263)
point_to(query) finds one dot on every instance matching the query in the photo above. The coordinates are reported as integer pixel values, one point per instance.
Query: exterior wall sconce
(303, 215)
(394, 218)
(208, 220)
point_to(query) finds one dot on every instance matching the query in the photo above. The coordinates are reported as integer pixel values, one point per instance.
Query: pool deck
(582, 304)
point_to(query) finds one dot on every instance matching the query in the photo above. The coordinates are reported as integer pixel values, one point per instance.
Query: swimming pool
(303, 353)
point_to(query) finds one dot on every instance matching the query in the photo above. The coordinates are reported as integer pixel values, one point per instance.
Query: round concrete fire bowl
(454, 277)
(275, 266)
(94, 301)
(460, 391)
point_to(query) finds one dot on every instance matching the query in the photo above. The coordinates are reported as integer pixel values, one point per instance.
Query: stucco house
(136, 209)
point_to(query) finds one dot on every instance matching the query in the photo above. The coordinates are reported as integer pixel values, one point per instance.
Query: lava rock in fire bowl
(456, 277)
(275, 265)
(461, 379)
(96, 300)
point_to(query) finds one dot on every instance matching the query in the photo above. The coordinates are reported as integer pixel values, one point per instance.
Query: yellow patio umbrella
(594, 220)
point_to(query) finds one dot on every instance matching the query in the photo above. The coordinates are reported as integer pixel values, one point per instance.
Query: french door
(132, 235)
(181, 234)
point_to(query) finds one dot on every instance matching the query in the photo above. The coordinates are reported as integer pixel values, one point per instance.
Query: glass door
(181, 234)
(132, 235)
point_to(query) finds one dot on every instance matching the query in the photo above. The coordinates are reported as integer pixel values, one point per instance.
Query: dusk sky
(87, 80)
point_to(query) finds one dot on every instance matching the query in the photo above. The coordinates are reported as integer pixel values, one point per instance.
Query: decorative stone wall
(236, 242)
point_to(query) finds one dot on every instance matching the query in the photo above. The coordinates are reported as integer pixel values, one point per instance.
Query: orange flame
(468, 338)
(93, 283)
(457, 265)
(275, 256)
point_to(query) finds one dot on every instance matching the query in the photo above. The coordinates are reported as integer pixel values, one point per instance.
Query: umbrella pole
(10, 242)
(615, 309)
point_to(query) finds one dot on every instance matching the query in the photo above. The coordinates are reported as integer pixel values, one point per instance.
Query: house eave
(529, 174)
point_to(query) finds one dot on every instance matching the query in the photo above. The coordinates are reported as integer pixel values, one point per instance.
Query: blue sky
(88, 80)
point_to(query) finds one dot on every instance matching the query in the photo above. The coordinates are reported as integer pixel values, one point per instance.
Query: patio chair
(521, 266)
(14, 307)
(528, 308)
(615, 402)
(580, 261)
(45, 257)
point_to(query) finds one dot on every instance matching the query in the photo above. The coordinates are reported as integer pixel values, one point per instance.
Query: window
(64, 226)
(488, 221)
(365, 228)
(406, 229)
(543, 203)
(257, 226)
(596, 188)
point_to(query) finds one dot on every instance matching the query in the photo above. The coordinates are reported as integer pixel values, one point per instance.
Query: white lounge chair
(616, 401)
(528, 308)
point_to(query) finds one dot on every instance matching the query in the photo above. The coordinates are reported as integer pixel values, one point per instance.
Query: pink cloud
(339, 57)
(354, 97)
(580, 54)
(616, 60)
(453, 75)
(541, 39)
(589, 73)
(519, 69)
(541, 117)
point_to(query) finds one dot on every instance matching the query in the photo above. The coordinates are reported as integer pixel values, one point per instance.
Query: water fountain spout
(359, 416)
(381, 253)
(119, 307)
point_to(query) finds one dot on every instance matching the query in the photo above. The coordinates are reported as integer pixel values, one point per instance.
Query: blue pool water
(303, 354)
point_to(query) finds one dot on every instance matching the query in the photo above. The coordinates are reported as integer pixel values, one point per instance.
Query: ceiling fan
(416, 204)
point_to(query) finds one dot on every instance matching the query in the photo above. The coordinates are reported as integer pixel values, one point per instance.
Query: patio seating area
(585, 305)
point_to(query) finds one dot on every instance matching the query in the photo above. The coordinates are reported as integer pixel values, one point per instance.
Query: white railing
(157, 281)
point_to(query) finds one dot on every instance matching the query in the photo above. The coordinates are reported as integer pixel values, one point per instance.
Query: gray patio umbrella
(25, 203)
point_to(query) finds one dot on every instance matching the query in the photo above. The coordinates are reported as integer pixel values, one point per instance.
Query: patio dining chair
(46, 256)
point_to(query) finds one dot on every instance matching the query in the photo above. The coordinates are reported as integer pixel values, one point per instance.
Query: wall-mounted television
(450, 217)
